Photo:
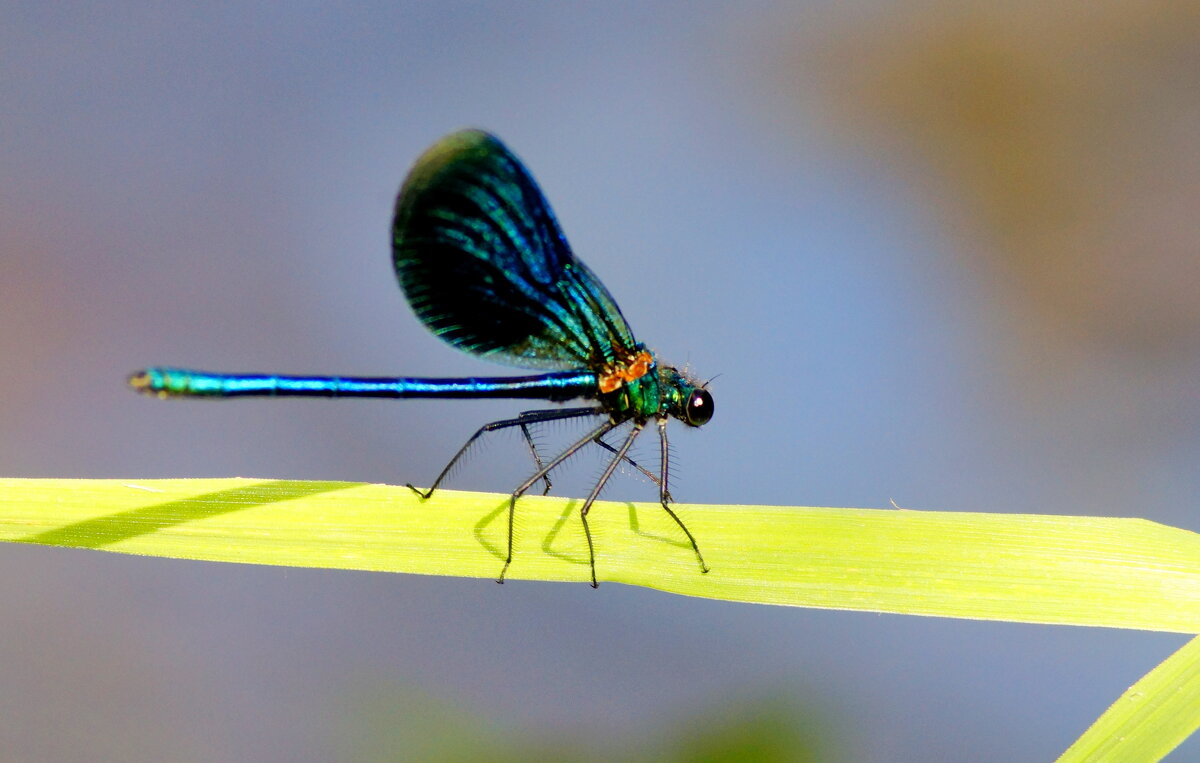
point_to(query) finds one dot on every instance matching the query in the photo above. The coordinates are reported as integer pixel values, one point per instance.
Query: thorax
(630, 387)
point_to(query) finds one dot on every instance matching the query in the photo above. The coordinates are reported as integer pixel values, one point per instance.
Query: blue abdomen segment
(179, 382)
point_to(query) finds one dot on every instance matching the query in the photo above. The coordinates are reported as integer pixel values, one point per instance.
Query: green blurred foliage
(389, 723)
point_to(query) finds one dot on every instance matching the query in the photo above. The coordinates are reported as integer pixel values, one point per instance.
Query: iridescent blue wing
(486, 267)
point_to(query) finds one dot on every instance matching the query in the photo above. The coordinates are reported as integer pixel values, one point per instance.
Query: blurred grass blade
(1126, 573)
(1151, 718)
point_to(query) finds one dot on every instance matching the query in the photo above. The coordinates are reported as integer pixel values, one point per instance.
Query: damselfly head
(686, 399)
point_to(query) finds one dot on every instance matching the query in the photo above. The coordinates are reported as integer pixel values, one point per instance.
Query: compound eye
(699, 408)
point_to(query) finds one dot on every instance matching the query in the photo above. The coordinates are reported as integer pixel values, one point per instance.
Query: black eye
(699, 408)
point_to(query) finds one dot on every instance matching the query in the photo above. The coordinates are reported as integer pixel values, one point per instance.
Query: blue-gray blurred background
(940, 254)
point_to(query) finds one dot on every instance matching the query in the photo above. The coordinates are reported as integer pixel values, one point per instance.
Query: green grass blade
(1126, 573)
(1151, 718)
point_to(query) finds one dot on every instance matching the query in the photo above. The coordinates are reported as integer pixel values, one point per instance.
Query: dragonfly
(486, 267)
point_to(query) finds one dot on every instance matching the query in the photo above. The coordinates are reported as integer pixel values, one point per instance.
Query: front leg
(664, 495)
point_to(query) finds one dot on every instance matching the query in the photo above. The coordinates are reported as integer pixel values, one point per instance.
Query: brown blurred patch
(1062, 138)
(36, 318)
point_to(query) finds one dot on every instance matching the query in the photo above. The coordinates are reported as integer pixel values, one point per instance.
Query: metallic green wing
(486, 267)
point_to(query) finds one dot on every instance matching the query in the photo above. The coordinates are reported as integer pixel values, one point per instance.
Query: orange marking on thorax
(616, 374)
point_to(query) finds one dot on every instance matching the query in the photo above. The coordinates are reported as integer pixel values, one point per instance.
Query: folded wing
(486, 267)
